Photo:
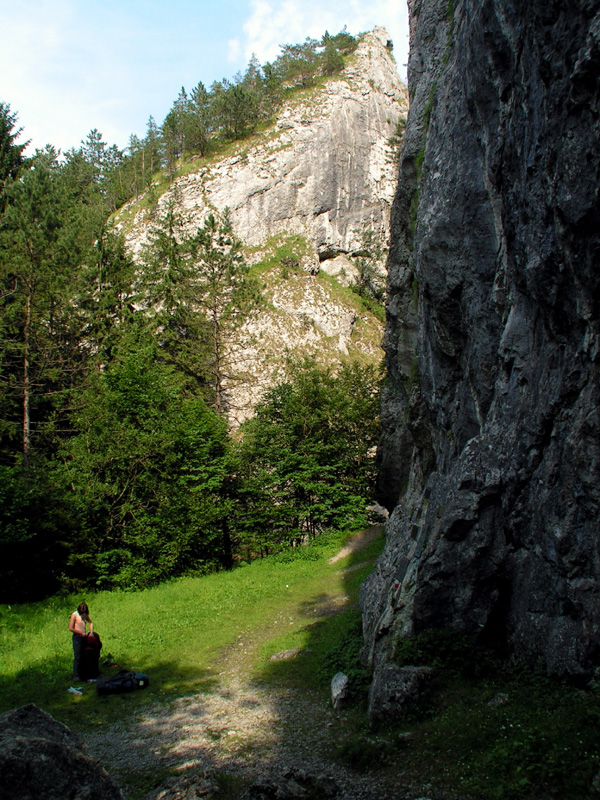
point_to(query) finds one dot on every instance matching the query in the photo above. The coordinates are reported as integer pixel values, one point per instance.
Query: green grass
(486, 730)
(541, 741)
(280, 250)
(175, 632)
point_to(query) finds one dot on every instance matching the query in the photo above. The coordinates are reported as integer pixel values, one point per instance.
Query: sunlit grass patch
(175, 632)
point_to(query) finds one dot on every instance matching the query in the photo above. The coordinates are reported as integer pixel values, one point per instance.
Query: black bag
(123, 681)
(90, 655)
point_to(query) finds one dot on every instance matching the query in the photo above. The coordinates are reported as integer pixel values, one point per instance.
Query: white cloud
(276, 22)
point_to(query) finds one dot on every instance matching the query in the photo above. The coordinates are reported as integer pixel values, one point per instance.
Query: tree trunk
(218, 384)
(27, 384)
(227, 546)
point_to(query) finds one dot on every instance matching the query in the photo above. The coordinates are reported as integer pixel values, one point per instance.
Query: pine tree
(225, 294)
(11, 154)
(40, 254)
(167, 290)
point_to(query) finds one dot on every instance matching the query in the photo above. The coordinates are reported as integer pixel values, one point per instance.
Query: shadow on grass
(333, 641)
(190, 718)
(334, 631)
(47, 685)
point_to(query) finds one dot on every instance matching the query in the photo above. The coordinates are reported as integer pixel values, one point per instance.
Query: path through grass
(179, 631)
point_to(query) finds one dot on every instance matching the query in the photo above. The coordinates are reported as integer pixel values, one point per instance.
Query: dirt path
(240, 729)
(357, 542)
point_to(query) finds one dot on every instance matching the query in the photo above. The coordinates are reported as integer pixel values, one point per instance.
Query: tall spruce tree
(167, 290)
(225, 294)
(40, 254)
(11, 153)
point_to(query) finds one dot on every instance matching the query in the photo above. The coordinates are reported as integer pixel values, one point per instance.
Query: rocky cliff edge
(491, 448)
(323, 170)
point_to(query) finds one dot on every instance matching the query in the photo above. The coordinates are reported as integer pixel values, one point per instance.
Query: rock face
(491, 450)
(395, 691)
(312, 184)
(322, 171)
(41, 758)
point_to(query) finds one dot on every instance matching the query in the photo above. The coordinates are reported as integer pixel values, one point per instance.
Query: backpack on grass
(124, 681)
(88, 663)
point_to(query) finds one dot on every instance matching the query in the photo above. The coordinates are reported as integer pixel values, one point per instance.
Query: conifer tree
(11, 154)
(39, 327)
(225, 294)
(151, 148)
(167, 290)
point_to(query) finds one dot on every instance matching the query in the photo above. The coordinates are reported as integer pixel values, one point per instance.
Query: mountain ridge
(311, 183)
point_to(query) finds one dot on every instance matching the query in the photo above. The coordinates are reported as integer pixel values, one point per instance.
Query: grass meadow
(178, 631)
(484, 730)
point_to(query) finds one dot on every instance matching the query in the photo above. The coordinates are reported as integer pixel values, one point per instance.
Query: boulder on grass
(42, 758)
(340, 687)
(395, 690)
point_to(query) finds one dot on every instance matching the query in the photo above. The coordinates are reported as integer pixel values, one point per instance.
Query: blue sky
(68, 66)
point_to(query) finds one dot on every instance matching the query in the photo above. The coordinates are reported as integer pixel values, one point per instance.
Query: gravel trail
(238, 728)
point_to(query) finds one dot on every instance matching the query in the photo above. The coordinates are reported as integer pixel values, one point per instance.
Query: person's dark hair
(83, 611)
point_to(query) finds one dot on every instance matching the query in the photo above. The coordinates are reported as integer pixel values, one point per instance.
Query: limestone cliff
(491, 450)
(321, 174)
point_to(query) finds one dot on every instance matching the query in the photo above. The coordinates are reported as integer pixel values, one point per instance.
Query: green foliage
(117, 471)
(344, 656)
(11, 153)
(36, 530)
(283, 251)
(369, 284)
(306, 456)
(231, 109)
(42, 242)
(106, 297)
(167, 289)
(495, 731)
(396, 141)
(224, 293)
(298, 63)
(541, 740)
(235, 107)
(145, 467)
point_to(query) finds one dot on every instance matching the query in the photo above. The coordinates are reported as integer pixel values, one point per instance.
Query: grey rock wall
(490, 455)
(322, 171)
